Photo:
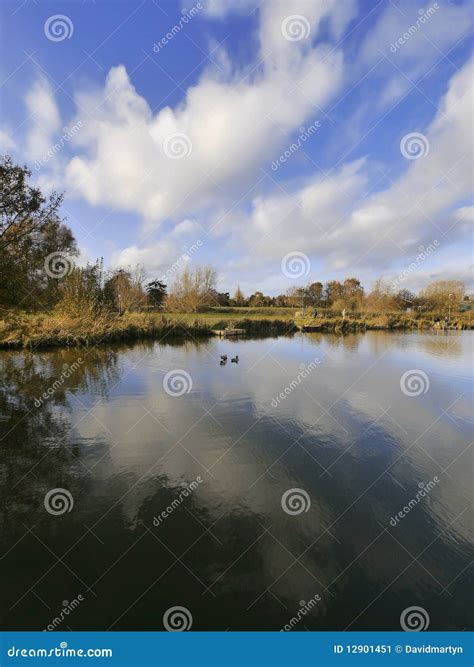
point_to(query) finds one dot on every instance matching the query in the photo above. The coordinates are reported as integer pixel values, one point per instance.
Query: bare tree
(193, 289)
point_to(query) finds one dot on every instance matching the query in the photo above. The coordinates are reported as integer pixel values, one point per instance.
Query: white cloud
(233, 125)
(187, 228)
(325, 220)
(45, 120)
(431, 29)
(412, 39)
(154, 257)
(236, 121)
(6, 141)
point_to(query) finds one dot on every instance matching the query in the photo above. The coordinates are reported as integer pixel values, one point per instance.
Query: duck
(223, 357)
(223, 362)
(235, 360)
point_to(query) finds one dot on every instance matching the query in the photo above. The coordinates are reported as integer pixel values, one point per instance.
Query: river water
(323, 482)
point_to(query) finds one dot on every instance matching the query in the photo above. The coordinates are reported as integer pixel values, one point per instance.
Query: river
(323, 482)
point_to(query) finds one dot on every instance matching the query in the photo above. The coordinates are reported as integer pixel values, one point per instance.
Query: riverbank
(38, 331)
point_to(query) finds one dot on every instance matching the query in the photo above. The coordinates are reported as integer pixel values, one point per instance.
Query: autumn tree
(124, 289)
(353, 293)
(315, 293)
(404, 299)
(443, 294)
(239, 297)
(193, 289)
(380, 298)
(83, 291)
(334, 292)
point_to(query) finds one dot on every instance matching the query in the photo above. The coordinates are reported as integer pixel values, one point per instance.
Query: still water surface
(346, 435)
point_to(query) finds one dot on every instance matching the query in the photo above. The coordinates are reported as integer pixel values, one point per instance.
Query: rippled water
(181, 500)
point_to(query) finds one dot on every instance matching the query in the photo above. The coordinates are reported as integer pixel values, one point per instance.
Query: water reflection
(345, 433)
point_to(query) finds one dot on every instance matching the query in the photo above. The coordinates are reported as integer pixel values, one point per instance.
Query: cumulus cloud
(326, 219)
(155, 256)
(195, 168)
(411, 39)
(224, 128)
(44, 119)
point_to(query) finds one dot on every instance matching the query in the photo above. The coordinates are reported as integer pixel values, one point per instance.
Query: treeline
(350, 295)
(37, 272)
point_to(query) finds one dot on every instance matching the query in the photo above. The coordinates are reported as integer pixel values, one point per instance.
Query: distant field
(219, 314)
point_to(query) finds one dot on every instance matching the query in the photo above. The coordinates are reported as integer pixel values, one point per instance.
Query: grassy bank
(24, 330)
(21, 330)
(382, 321)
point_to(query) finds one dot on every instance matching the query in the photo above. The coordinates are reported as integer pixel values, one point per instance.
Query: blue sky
(283, 142)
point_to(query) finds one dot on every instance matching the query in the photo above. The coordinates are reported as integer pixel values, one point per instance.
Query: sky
(281, 142)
